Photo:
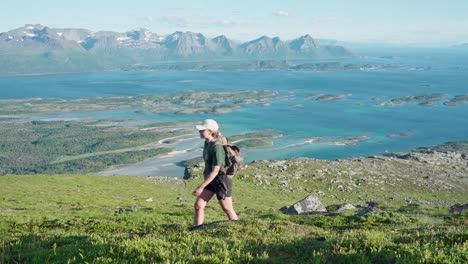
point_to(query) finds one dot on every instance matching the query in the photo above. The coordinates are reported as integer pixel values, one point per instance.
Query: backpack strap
(222, 141)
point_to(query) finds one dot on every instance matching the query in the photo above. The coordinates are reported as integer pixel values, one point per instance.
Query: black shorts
(221, 186)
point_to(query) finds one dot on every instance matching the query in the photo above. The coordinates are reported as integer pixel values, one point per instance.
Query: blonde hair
(216, 134)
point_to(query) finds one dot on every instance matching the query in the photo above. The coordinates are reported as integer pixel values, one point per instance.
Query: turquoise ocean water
(410, 125)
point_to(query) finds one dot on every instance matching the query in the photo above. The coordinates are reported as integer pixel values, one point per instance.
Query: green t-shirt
(214, 155)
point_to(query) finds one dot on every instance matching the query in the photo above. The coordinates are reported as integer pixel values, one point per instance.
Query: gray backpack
(234, 160)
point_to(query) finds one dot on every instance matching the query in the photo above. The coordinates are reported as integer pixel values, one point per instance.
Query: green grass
(70, 158)
(89, 219)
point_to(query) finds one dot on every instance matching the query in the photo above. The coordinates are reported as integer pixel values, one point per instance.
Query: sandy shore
(163, 165)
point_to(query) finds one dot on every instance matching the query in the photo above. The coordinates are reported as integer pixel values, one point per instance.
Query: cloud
(281, 13)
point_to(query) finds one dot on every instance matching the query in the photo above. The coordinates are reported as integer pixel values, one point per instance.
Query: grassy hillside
(89, 219)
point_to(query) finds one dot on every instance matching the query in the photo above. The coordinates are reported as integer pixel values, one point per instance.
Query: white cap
(208, 124)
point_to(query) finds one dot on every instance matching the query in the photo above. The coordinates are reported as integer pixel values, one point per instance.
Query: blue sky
(395, 21)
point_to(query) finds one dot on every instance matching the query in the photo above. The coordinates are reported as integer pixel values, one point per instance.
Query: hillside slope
(75, 219)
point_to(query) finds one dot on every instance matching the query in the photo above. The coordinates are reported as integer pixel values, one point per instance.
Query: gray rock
(458, 208)
(308, 205)
(339, 207)
(367, 210)
(164, 179)
(346, 206)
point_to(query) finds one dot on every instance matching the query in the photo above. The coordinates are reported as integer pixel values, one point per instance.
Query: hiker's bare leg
(200, 204)
(228, 208)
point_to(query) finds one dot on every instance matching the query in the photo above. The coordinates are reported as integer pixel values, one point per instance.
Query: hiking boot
(192, 228)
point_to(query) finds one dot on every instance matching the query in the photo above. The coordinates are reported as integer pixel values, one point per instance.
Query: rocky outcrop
(192, 173)
(432, 157)
(403, 177)
(428, 177)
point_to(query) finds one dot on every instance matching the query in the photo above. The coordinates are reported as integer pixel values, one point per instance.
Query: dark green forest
(58, 147)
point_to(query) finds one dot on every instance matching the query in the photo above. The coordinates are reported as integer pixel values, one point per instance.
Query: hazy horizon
(398, 22)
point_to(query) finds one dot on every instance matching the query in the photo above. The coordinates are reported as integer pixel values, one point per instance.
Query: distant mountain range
(40, 49)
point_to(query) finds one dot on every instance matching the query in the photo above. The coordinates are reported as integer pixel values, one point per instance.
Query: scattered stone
(340, 207)
(428, 171)
(368, 210)
(308, 205)
(345, 206)
(164, 179)
(320, 193)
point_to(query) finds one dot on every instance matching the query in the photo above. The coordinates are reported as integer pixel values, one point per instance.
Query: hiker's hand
(198, 191)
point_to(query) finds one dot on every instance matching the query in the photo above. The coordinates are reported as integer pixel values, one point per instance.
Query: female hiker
(215, 182)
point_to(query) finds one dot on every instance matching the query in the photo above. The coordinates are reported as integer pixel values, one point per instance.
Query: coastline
(349, 126)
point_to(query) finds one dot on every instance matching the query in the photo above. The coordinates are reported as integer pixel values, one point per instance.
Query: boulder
(308, 205)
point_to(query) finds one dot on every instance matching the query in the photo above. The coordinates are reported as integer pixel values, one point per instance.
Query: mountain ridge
(37, 48)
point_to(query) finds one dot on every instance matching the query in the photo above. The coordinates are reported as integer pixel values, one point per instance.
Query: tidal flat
(105, 147)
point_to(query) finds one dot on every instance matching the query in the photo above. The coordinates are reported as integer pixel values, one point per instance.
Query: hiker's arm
(207, 181)
(211, 176)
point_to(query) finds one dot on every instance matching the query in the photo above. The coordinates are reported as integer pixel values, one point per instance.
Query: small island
(421, 99)
(216, 102)
(350, 141)
(296, 106)
(427, 100)
(312, 96)
(253, 135)
(457, 100)
(254, 143)
(330, 97)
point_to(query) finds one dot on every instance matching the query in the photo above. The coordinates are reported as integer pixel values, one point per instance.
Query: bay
(299, 118)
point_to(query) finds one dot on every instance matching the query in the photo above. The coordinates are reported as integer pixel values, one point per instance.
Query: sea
(309, 128)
